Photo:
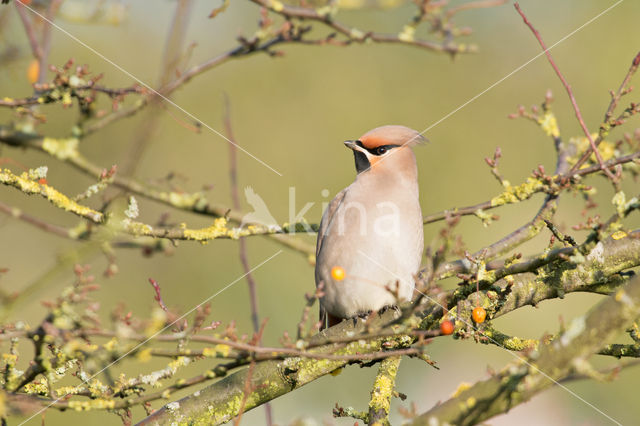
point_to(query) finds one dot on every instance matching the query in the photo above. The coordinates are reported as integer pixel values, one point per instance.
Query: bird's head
(386, 148)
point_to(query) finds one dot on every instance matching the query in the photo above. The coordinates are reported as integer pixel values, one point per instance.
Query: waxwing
(370, 240)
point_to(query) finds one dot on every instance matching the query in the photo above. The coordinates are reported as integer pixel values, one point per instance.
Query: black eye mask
(379, 150)
(362, 162)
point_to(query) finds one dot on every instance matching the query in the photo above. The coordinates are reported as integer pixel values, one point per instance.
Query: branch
(66, 150)
(51, 94)
(615, 98)
(597, 273)
(233, 178)
(144, 133)
(242, 244)
(27, 23)
(566, 85)
(47, 227)
(517, 344)
(325, 16)
(530, 229)
(25, 184)
(271, 379)
(266, 39)
(520, 381)
(380, 403)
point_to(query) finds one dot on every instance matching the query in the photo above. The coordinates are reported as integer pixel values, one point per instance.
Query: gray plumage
(373, 228)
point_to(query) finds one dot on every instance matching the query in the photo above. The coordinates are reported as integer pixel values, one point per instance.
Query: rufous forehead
(390, 135)
(374, 141)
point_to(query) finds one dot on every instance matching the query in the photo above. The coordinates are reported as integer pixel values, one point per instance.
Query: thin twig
(242, 243)
(480, 4)
(352, 34)
(615, 98)
(173, 49)
(46, 39)
(567, 87)
(19, 214)
(27, 23)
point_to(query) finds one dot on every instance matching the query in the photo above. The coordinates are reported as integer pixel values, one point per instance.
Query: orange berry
(33, 70)
(446, 327)
(337, 272)
(479, 314)
(42, 181)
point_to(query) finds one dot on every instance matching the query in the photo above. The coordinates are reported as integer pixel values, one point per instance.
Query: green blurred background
(293, 112)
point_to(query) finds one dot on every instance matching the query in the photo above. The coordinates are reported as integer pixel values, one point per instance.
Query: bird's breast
(378, 241)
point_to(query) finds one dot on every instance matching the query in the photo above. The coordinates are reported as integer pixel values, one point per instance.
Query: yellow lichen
(37, 388)
(514, 194)
(9, 358)
(68, 390)
(217, 230)
(276, 6)
(218, 351)
(549, 124)
(327, 11)
(62, 148)
(356, 34)
(158, 320)
(407, 34)
(182, 200)
(111, 344)
(619, 200)
(618, 235)
(137, 228)
(461, 388)
(606, 149)
(66, 99)
(144, 355)
(76, 345)
(486, 218)
(181, 361)
(383, 385)
(29, 186)
(471, 401)
(93, 404)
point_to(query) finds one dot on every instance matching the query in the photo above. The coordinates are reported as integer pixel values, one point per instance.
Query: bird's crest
(391, 135)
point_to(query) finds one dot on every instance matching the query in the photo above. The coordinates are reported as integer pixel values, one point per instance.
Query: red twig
(27, 23)
(246, 391)
(46, 38)
(233, 175)
(615, 98)
(18, 214)
(621, 90)
(566, 85)
(242, 243)
(158, 296)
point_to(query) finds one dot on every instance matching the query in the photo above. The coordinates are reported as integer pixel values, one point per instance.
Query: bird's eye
(381, 150)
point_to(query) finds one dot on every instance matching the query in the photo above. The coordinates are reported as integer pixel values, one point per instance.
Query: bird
(370, 239)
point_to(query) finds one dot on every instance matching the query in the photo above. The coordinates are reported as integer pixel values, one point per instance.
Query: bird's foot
(361, 315)
(388, 307)
(365, 315)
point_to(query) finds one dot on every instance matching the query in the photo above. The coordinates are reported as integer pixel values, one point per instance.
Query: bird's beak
(352, 145)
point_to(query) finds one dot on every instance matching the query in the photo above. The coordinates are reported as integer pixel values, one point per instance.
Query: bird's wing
(327, 217)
